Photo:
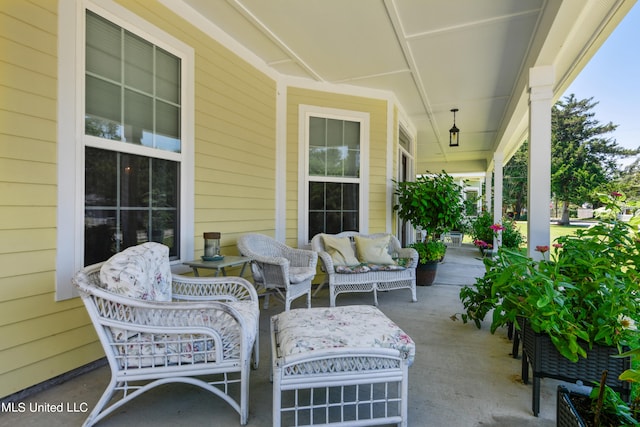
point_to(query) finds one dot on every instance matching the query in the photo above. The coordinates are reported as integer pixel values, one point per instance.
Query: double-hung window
(125, 137)
(335, 146)
(132, 142)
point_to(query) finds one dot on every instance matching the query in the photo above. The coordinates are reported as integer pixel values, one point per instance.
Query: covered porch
(462, 376)
(251, 78)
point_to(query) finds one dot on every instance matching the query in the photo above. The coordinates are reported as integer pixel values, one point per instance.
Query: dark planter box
(567, 414)
(546, 362)
(568, 410)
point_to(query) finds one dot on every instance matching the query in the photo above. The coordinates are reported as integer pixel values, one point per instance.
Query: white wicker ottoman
(339, 366)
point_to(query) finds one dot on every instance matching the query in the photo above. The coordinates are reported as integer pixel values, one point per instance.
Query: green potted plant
(430, 253)
(580, 304)
(481, 232)
(433, 203)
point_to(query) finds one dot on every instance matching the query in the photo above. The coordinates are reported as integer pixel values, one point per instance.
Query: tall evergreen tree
(582, 156)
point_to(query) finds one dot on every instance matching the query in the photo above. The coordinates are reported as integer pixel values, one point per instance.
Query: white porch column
(487, 185)
(498, 159)
(541, 81)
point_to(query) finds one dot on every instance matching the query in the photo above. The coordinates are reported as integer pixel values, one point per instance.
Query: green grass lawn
(556, 230)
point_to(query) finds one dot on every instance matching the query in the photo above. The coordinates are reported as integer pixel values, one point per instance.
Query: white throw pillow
(374, 251)
(340, 250)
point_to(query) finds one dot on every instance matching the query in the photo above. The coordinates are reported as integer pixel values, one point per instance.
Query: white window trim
(304, 113)
(70, 210)
(402, 127)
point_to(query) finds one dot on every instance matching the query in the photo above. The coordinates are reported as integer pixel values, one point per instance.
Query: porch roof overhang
(430, 56)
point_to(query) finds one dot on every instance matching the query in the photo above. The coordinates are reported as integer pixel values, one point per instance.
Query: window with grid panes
(334, 175)
(132, 141)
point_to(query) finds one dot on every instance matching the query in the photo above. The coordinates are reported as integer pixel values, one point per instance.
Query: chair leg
(256, 351)
(244, 394)
(309, 298)
(266, 301)
(319, 287)
(104, 399)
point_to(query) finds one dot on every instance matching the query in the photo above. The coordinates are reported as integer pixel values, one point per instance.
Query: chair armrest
(327, 262)
(411, 254)
(187, 288)
(281, 261)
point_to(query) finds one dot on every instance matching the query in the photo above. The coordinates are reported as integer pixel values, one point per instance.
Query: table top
(227, 261)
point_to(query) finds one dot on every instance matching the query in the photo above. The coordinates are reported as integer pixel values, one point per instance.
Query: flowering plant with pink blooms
(483, 230)
(584, 290)
(482, 244)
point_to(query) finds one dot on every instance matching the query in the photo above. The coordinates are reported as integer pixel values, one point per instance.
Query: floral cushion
(141, 272)
(353, 269)
(386, 267)
(373, 250)
(146, 350)
(349, 327)
(365, 268)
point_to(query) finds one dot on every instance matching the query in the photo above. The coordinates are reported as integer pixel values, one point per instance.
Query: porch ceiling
(433, 55)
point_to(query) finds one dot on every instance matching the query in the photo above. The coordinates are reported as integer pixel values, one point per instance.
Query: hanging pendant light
(454, 132)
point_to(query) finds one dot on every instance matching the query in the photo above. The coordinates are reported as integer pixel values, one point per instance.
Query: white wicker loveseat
(156, 328)
(355, 262)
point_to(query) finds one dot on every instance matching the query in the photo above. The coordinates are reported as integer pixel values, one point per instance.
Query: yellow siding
(234, 178)
(377, 178)
(33, 327)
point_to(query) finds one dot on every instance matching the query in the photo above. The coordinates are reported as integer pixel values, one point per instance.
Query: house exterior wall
(234, 179)
(40, 338)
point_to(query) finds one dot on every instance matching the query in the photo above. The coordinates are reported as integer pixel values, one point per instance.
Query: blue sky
(612, 78)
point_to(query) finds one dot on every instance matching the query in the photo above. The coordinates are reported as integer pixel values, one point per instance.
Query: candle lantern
(211, 245)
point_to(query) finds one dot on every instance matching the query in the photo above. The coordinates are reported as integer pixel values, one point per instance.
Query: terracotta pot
(426, 273)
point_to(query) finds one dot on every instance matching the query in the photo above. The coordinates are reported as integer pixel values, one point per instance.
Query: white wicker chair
(278, 267)
(210, 328)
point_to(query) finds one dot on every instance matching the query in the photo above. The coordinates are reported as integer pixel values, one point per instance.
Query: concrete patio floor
(462, 376)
